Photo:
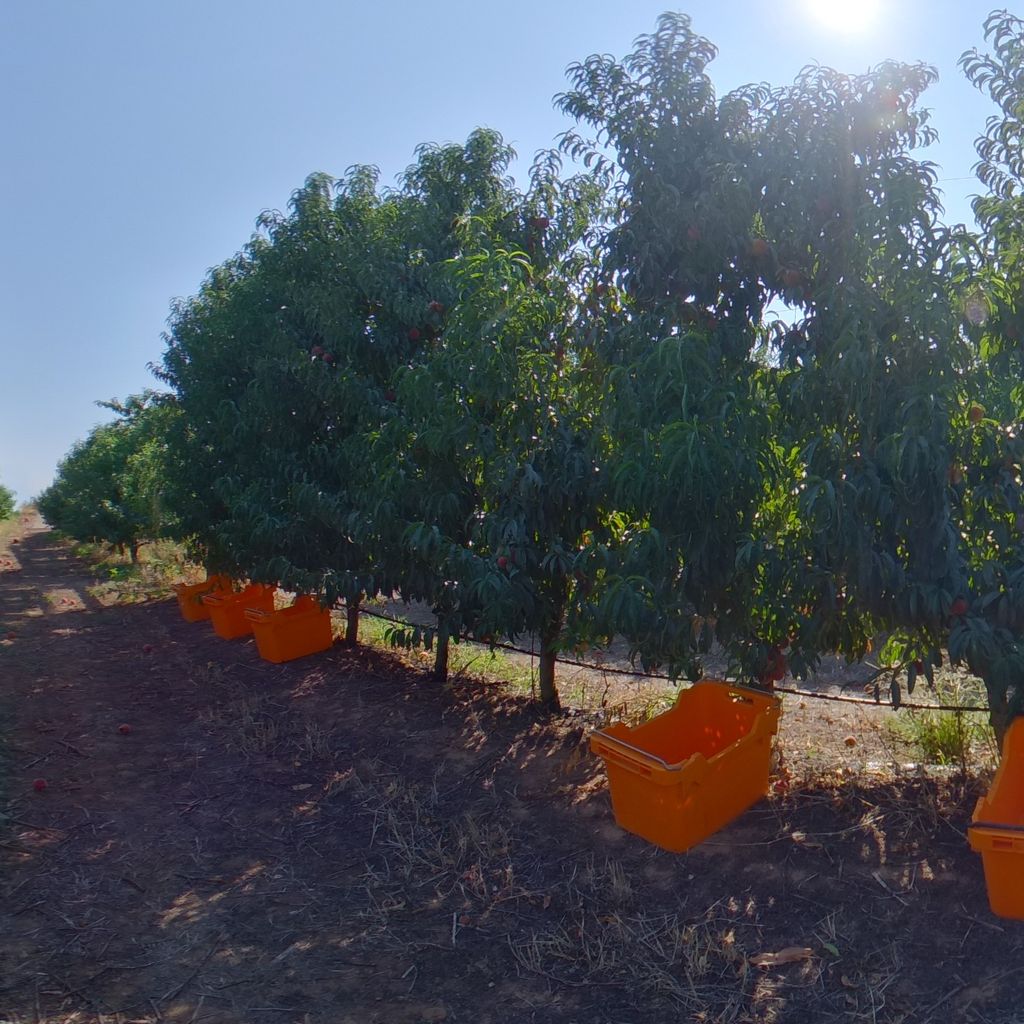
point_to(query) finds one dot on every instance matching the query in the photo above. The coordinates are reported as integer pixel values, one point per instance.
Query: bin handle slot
(739, 698)
(740, 694)
(618, 757)
(646, 755)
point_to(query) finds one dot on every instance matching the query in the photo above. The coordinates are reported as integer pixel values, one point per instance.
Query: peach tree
(6, 502)
(985, 473)
(785, 359)
(496, 431)
(110, 487)
(283, 366)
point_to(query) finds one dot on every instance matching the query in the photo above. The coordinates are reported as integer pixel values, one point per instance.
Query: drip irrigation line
(634, 674)
(911, 706)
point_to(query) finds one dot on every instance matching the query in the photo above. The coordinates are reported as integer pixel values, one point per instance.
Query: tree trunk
(134, 551)
(352, 623)
(548, 649)
(548, 690)
(441, 654)
(1000, 718)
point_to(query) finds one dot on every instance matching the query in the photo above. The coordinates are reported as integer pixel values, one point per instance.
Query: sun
(850, 17)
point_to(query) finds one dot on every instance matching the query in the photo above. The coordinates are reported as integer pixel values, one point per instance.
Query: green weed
(951, 738)
(464, 658)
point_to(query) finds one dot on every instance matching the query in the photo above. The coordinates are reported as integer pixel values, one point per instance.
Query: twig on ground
(977, 920)
(173, 992)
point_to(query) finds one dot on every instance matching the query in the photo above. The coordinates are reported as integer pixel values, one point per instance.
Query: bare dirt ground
(341, 841)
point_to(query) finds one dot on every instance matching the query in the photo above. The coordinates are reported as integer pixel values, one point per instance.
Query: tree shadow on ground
(342, 839)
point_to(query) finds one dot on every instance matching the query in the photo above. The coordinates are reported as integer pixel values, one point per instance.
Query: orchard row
(718, 374)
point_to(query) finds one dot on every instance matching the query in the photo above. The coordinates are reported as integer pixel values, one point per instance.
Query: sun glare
(850, 17)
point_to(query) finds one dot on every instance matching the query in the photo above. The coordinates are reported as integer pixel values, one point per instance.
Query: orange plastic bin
(304, 628)
(686, 773)
(190, 597)
(997, 829)
(227, 611)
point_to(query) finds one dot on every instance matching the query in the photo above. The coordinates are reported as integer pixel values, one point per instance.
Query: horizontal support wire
(634, 674)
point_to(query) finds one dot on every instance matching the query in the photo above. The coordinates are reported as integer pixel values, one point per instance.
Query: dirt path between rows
(341, 841)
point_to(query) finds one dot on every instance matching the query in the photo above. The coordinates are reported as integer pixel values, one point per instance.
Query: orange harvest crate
(304, 628)
(683, 775)
(190, 596)
(997, 829)
(227, 611)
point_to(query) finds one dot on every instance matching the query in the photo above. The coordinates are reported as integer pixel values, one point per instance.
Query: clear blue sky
(142, 138)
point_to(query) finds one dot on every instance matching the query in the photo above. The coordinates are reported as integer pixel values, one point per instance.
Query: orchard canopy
(718, 376)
